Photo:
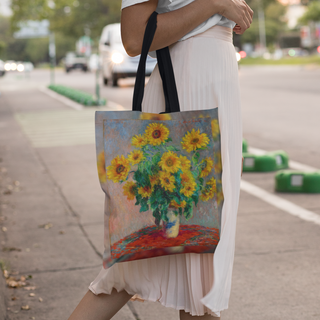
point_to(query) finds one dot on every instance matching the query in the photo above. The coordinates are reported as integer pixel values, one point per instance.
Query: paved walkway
(51, 210)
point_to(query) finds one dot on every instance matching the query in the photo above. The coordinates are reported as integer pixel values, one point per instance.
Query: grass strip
(283, 61)
(81, 97)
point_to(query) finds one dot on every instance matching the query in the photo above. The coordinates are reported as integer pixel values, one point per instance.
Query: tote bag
(161, 173)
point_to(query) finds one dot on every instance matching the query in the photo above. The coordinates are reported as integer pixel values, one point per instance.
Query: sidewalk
(51, 212)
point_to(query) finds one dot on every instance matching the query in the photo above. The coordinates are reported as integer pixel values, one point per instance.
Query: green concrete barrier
(270, 161)
(298, 181)
(78, 96)
(244, 145)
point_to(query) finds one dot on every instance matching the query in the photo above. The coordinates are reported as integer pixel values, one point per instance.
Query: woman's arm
(173, 25)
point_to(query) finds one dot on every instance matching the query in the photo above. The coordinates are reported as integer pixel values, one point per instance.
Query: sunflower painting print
(162, 189)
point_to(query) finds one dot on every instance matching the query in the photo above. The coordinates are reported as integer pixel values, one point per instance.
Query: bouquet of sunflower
(158, 178)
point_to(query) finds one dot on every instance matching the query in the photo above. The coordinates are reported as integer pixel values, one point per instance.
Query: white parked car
(75, 61)
(115, 63)
(10, 65)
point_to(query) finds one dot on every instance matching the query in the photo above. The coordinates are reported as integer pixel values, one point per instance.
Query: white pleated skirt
(206, 73)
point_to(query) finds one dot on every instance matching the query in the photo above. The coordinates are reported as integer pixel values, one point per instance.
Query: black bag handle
(165, 69)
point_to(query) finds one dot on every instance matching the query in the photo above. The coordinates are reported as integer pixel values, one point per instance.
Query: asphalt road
(277, 260)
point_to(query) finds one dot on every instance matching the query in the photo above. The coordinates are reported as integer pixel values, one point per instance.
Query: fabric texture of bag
(161, 173)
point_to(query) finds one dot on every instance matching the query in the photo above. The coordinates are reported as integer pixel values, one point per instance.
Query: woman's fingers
(247, 20)
(239, 12)
(249, 14)
(250, 11)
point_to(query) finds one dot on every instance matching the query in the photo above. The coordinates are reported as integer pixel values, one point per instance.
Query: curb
(77, 106)
(64, 100)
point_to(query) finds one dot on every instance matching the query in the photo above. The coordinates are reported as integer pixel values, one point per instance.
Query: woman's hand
(237, 11)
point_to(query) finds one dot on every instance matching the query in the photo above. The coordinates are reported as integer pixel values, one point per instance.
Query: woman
(206, 75)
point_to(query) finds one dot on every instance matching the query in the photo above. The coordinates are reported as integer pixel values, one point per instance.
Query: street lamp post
(52, 54)
(97, 82)
(262, 28)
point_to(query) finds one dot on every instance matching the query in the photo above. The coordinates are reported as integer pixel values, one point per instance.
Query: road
(277, 260)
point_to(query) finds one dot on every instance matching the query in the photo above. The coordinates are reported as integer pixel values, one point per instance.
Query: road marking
(280, 203)
(292, 164)
(277, 201)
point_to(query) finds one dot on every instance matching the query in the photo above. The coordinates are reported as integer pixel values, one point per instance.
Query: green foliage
(144, 205)
(78, 96)
(69, 17)
(312, 14)
(3, 47)
(195, 158)
(274, 22)
(188, 210)
(309, 60)
(34, 50)
(156, 213)
(37, 49)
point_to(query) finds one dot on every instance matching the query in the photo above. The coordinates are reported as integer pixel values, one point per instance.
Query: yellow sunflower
(213, 184)
(175, 204)
(219, 197)
(188, 189)
(186, 178)
(119, 169)
(167, 181)
(215, 128)
(170, 162)
(139, 141)
(154, 180)
(135, 157)
(207, 194)
(185, 163)
(156, 133)
(208, 167)
(101, 167)
(129, 190)
(145, 191)
(194, 140)
(218, 164)
(155, 116)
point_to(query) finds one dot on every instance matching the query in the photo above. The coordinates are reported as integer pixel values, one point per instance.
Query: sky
(5, 8)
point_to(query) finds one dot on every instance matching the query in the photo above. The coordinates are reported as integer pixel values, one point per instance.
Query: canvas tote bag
(161, 173)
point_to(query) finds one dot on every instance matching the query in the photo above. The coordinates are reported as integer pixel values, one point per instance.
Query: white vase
(171, 228)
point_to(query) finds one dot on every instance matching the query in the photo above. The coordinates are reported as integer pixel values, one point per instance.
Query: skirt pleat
(206, 73)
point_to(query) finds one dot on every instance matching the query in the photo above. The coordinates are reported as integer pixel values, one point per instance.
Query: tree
(69, 17)
(274, 21)
(34, 50)
(312, 14)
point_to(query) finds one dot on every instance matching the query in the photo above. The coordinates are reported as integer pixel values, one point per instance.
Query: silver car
(115, 63)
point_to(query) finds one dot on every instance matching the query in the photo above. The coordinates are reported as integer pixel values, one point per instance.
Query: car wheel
(105, 81)
(84, 69)
(68, 70)
(114, 80)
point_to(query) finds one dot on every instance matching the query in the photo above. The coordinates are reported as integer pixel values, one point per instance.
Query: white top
(171, 5)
